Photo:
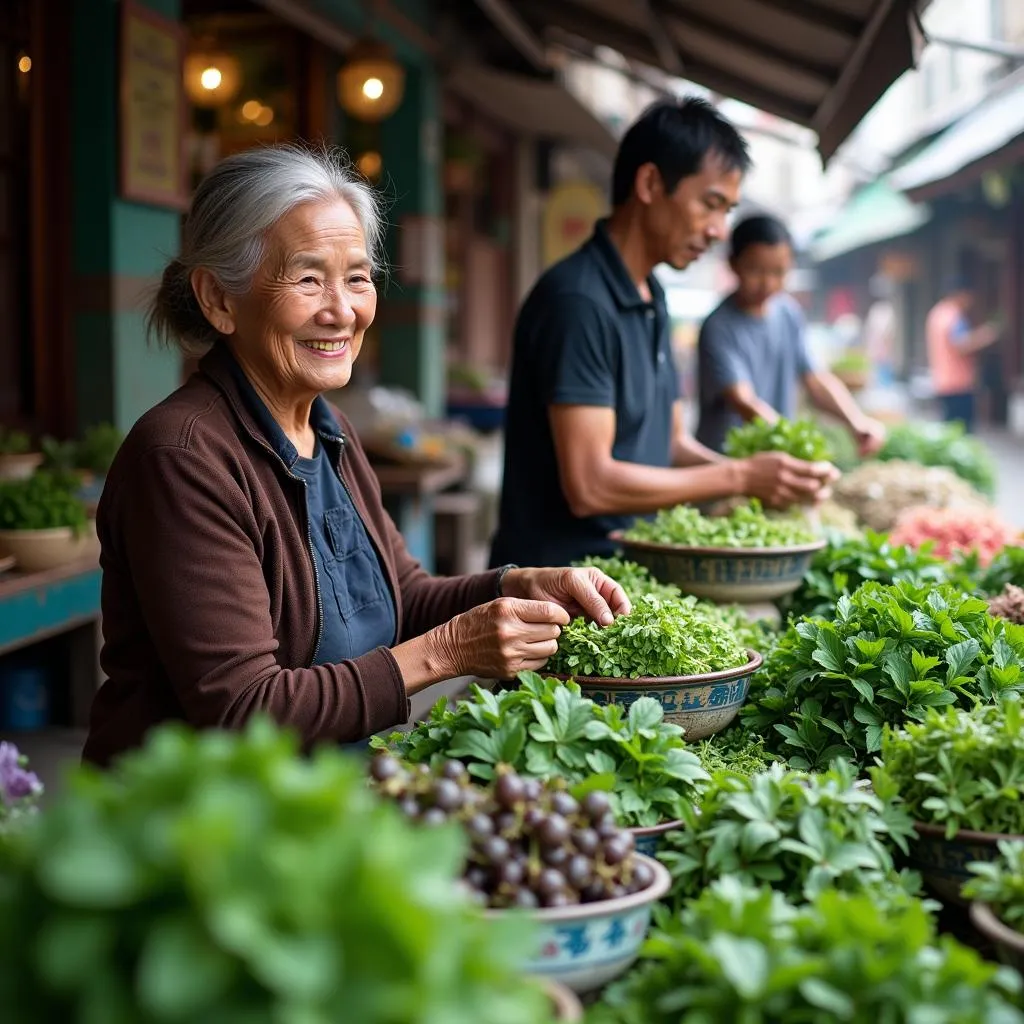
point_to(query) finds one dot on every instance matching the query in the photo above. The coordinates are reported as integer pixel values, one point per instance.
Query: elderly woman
(248, 563)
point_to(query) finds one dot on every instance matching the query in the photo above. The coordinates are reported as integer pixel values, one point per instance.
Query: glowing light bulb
(25, 64)
(211, 78)
(373, 88)
(251, 109)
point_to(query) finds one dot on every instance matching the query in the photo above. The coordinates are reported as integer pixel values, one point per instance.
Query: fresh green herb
(14, 442)
(1006, 567)
(801, 438)
(961, 769)
(801, 833)
(828, 689)
(637, 582)
(96, 451)
(943, 444)
(547, 728)
(58, 456)
(221, 876)
(657, 638)
(746, 526)
(845, 564)
(44, 501)
(853, 361)
(747, 955)
(1000, 883)
(735, 750)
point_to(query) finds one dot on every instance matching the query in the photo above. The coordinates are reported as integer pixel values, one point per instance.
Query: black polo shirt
(583, 337)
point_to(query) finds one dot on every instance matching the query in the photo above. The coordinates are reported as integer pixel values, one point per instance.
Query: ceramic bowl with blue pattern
(702, 705)
(725, 575)
(584, 947)
(651, 839)
(943, 862)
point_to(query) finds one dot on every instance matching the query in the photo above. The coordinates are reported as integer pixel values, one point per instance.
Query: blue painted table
(40, 605)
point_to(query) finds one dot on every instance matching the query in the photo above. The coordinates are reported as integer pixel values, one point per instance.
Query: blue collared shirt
(357, 608)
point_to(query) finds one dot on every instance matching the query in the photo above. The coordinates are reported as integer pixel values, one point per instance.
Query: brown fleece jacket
(208, 599)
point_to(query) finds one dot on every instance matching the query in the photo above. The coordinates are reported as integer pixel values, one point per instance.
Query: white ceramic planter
(39, 550)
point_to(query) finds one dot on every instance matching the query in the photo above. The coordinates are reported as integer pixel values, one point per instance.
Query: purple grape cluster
(531, 843)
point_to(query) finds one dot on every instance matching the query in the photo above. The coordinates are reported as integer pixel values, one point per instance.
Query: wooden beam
(833, 21)
(636, 45)
(516, 31)
(680, 19)
(668, 55)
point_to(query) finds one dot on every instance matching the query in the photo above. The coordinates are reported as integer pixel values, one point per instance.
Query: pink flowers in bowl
(20, 788)
(953, 531)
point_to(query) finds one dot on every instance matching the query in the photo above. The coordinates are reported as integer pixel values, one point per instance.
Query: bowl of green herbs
(694, 666)
(746, 556)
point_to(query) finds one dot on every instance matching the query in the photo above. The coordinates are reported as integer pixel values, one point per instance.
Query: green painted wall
(119, 375)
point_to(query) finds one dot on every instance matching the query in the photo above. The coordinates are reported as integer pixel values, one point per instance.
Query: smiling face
(761, 272)
(299, 328)
(683, 224)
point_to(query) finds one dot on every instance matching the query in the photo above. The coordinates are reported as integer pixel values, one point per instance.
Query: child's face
(762, 271)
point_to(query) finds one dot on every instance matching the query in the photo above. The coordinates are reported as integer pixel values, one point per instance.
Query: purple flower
(16, 782)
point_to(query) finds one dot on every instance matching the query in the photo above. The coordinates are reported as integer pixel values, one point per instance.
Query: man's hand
(579, 591)
(870, 436)
(780, 480)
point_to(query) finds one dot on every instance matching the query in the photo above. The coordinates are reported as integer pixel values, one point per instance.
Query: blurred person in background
(953, 346)
(879, 333)
(752, 354)
(594, 431)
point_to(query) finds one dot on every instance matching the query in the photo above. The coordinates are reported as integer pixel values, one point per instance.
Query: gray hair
(225, 231)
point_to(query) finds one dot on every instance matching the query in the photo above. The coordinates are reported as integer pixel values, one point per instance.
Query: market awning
(989, 137)
(875, 214)
(820, 63)
(531, 105)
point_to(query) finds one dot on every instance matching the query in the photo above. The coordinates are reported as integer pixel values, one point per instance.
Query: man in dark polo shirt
(594, 430)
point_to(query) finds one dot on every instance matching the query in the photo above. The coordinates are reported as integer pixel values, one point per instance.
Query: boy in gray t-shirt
(752, 355)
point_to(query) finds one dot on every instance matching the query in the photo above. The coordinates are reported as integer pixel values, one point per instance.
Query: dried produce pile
(955, 531)
(1009, 604)
(878, 492)
(532, 844)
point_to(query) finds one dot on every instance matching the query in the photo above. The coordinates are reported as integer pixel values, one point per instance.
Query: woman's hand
(586, 592)
(499, 639)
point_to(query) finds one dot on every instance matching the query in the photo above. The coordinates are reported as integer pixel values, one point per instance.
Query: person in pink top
(953, 344)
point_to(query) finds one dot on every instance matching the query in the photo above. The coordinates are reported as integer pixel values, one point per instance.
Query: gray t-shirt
(769, 353)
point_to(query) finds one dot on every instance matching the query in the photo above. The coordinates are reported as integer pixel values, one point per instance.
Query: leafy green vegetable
(828, 689)
(801, 833)
(224, 877)
(735, 750)
(961, 769)
(746, 526)
(943, 444)
(657, 638)
(845, 564)
(14, 442)
(547, 728)
(637, 581)
(801, 438)
(98, 447)
(1006, 567)
(44, 501)
(745, 955)
(1000, 883)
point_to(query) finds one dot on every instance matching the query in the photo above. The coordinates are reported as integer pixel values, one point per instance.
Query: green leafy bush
(96, 451)
(547, 728)
(845, 564)
(801, 438)
(14, 442)
(657, 638)
(746, 526)
(1006, 567)
(1000, 883)
(943, 444)
(735, 750)
(634, 579)
(222, 877)
(801, 833)
(829, 688)
(745, 955)
(42, 502)
(960, 769)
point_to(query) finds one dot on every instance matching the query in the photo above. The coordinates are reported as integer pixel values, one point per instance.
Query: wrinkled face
(301, 325)
(683, 224)
(762, 271)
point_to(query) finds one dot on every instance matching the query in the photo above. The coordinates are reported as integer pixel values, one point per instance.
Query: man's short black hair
(760, 229)
(676, 136)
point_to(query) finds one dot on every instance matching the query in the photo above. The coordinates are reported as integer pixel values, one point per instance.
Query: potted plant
(548, 729)
(996, 892)
(221, 876)
(43, 523)
(853, 368)
(95, 452)
(17, 459)
(958, 773)
(693, 666)
(745, 556)
(743, 953)
(535, 848)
